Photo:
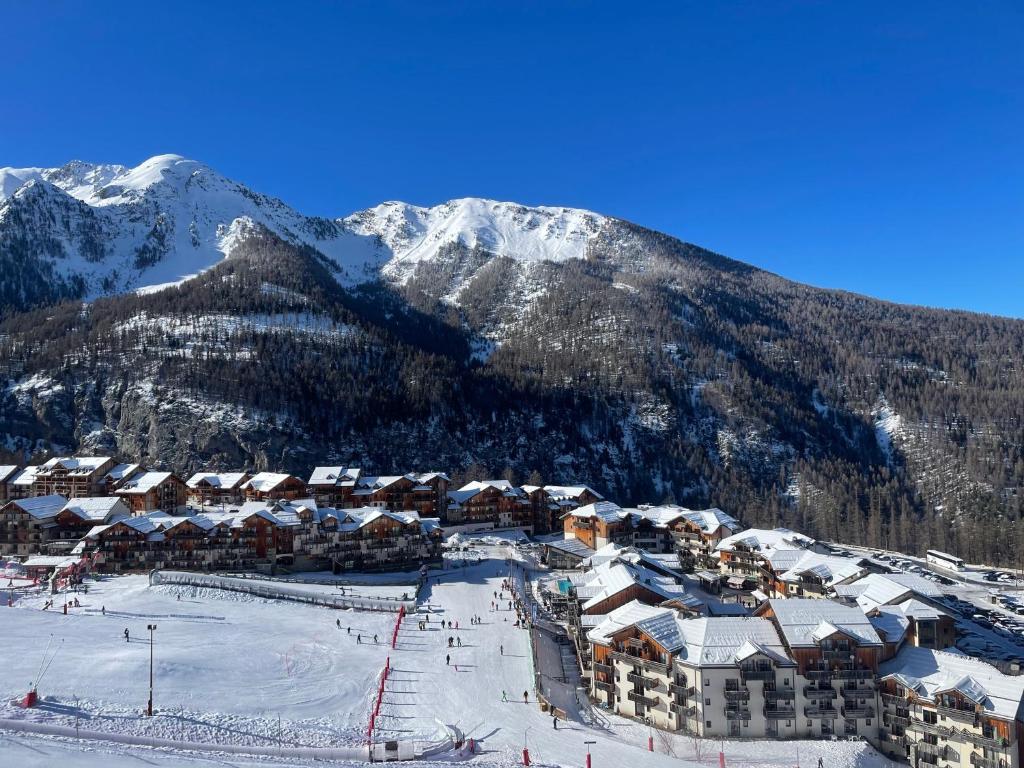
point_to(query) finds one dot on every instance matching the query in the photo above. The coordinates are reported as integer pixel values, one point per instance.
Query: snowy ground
(228, 665)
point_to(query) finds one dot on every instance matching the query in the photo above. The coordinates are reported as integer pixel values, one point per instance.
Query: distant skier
(338, 622)
(501, 649)
(504, 697)
(526, 697)
(374, 639)
(458, 640)
(126, 637)
(359, 639)
(447, 658)
(103, 610)
(554, 722)
(350, 630)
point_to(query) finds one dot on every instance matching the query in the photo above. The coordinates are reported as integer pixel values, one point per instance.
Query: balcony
(681, 689)
(647, 701)
(988, 762)
(786, 694)
(992, 742)
(732, 713)
(858, 712)
(932, 728)
(757, 674)
(776, 713)
(681, 710)
(853, 674)
(737, 694)
(606, 668)
(652, 666)
(902, 722)
(960, 715)
(819, 693)
(601, 685)
(895, 701)
(857, 693)
(818, 674)
(638, 679)
(821, 711)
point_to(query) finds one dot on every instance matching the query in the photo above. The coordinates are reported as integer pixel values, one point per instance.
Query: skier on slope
(526, 697)
(126, 637)
(447, 658)
(504, 697)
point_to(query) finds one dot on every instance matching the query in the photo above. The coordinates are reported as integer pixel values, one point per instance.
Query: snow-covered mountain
(102, 229)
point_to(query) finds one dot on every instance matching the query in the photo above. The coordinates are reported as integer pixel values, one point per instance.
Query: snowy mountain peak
(414, 234)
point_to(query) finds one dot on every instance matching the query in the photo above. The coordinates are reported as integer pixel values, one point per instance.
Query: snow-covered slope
(109, 229)
(413, 235)
(120, 229)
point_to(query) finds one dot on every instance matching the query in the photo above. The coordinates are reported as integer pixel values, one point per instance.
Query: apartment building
(698, 533)
(7, 473)
(496, 502)
(745, 557)
(208, 489)
(76, 476)
(26, 524)
(837, 652)
(268, 486)
(800, 573)
(147, 492)
(710, 676)
(952, 711)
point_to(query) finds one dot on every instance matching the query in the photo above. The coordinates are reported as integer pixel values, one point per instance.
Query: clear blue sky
(875, 147)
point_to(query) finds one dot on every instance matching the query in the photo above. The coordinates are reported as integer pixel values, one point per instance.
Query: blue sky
(875, 147)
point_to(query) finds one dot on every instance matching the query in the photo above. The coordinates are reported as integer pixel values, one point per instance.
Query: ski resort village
(233, 618)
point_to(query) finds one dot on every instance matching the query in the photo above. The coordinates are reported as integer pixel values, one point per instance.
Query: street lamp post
(152, 629)
(588, 743)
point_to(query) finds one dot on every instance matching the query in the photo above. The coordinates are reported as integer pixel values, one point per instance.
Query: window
(786, 682)
(929, 717)
(708, 723)
(707, 701)
(707, 682)
(789, 723)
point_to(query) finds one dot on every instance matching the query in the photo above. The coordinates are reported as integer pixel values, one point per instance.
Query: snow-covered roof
(931, 673)
(804, 622)
(96, 508)
(726, 640)
(7, 471)
(609, 579)
(144, 482)
(830, 569)
(428, 477)
(120, 471)
(890, 623)
(661, 516)
(624, 616)
(27, 476)
(572, 547)
(41, 507)
(710, 520)
(570, 491)
(920, 611)
(228, 480)
(886, 588)
(606, 511)
(75, 465)
(765, 540)
(333, 475)
(264, 482)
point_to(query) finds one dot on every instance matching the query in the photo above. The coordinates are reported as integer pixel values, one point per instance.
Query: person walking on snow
(526, 697)
(504, 698)
(447, 658)
(359, 639)
(554, 721)
(458, 640)
(501, 649)
(126, 635)
(374, 639)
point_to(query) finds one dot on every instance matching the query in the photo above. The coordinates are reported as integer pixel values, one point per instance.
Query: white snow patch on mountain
(888, 426)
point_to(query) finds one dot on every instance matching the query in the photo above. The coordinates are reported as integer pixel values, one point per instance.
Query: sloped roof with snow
(710, 520)
(96, 508)
(228, 480)
(572, 547)
(7, 471)
(333, 475)
(764, 540)
(27, 476)
(885, 588)
(604, 581)
(120, 471)
(890, 623)
(930, 673)
(624, 616)
(264, 482)
(570, 491)
(804, 622)
(41, 507)
(144, 482)
(725, 640)
(830, 569)
(76, 465)
(606, 511)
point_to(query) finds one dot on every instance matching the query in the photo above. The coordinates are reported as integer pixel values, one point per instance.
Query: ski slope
(228, 665)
